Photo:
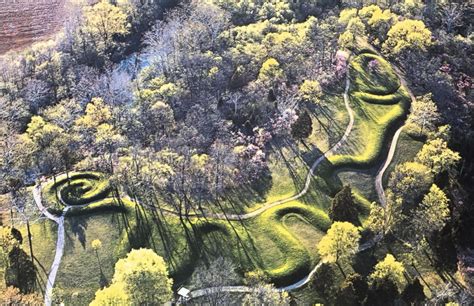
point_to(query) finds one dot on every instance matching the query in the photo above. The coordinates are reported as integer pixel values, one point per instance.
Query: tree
(452, 15)
(433, 212)
(343, 207)
(340, 243)
(413, 293)
(406, 35)
(389, 268)
(140, 278)
(424, 114)
(356, 27)
(12, 296)
(408, 183)
(112, 295)
(270, 72)
(436, 155)
(303, 126)
(102, 23)
(378, 22)
(220, 272)
(382, 292)
(325, 282)
(263, 293)
(310, 91)
(352, 291)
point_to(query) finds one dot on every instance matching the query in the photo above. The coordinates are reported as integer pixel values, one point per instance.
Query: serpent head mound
(374, 75)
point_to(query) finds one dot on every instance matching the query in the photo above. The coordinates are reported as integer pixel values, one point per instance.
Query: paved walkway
(378, 186)
(201, 292)
(59, 243)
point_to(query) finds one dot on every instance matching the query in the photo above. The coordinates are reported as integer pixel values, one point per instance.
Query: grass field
(281, 241)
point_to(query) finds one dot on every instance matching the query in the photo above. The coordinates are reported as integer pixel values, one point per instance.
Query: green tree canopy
(140, 278)
(405, 35)
(389, 268)
(341, 242)
(436, 155)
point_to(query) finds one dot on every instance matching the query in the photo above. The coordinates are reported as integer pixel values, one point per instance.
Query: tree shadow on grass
(78, 228)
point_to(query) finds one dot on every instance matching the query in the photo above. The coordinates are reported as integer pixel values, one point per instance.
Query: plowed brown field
(25, 21)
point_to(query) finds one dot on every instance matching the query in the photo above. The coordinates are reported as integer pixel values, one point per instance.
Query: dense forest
(241, 152)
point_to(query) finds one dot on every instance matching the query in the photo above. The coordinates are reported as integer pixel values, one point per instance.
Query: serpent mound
(23, 22)
(80, 190)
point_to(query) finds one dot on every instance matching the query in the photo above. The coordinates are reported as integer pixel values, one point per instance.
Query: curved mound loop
(381, 102)
(83, 189)
(80, 192)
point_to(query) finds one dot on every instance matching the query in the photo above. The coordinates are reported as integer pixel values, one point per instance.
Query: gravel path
(59, 243)
(242, 289)
(378, 186)
(307, 278)
(379, 178)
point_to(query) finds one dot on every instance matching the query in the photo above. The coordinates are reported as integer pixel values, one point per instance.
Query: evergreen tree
(303, 127)
(413, 293)
(343, 207)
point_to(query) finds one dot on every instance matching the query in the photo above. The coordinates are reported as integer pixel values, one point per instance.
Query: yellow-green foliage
(407, 34)
(436, 155)
(102, 22)
(346, 15)
(340, 243)
(139, 278)
(389, 268)
(270, 71)
(310, 91)
(434, 210)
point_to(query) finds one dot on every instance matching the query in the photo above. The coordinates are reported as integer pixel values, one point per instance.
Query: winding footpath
(59, 243)
(235, 217)
(378, 186)
(307, 278)
(379, 178)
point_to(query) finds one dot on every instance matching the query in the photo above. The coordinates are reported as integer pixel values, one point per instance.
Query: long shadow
(78, 227)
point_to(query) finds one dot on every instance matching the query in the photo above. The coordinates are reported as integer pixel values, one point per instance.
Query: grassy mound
(373, 74)
(85, 192)
(282, 240)
(379, 103)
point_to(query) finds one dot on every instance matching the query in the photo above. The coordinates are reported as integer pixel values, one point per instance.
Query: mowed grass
(263, 243)
(289, 162)
(281, 241)
(375, 118)
(406, 150)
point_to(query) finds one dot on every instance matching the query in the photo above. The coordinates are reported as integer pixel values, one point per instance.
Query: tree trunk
(340, 269)
(30, 240)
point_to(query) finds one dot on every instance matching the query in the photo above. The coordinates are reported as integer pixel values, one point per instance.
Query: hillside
(237, 153)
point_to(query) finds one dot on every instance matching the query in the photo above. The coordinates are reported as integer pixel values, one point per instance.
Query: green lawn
(281, 241)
